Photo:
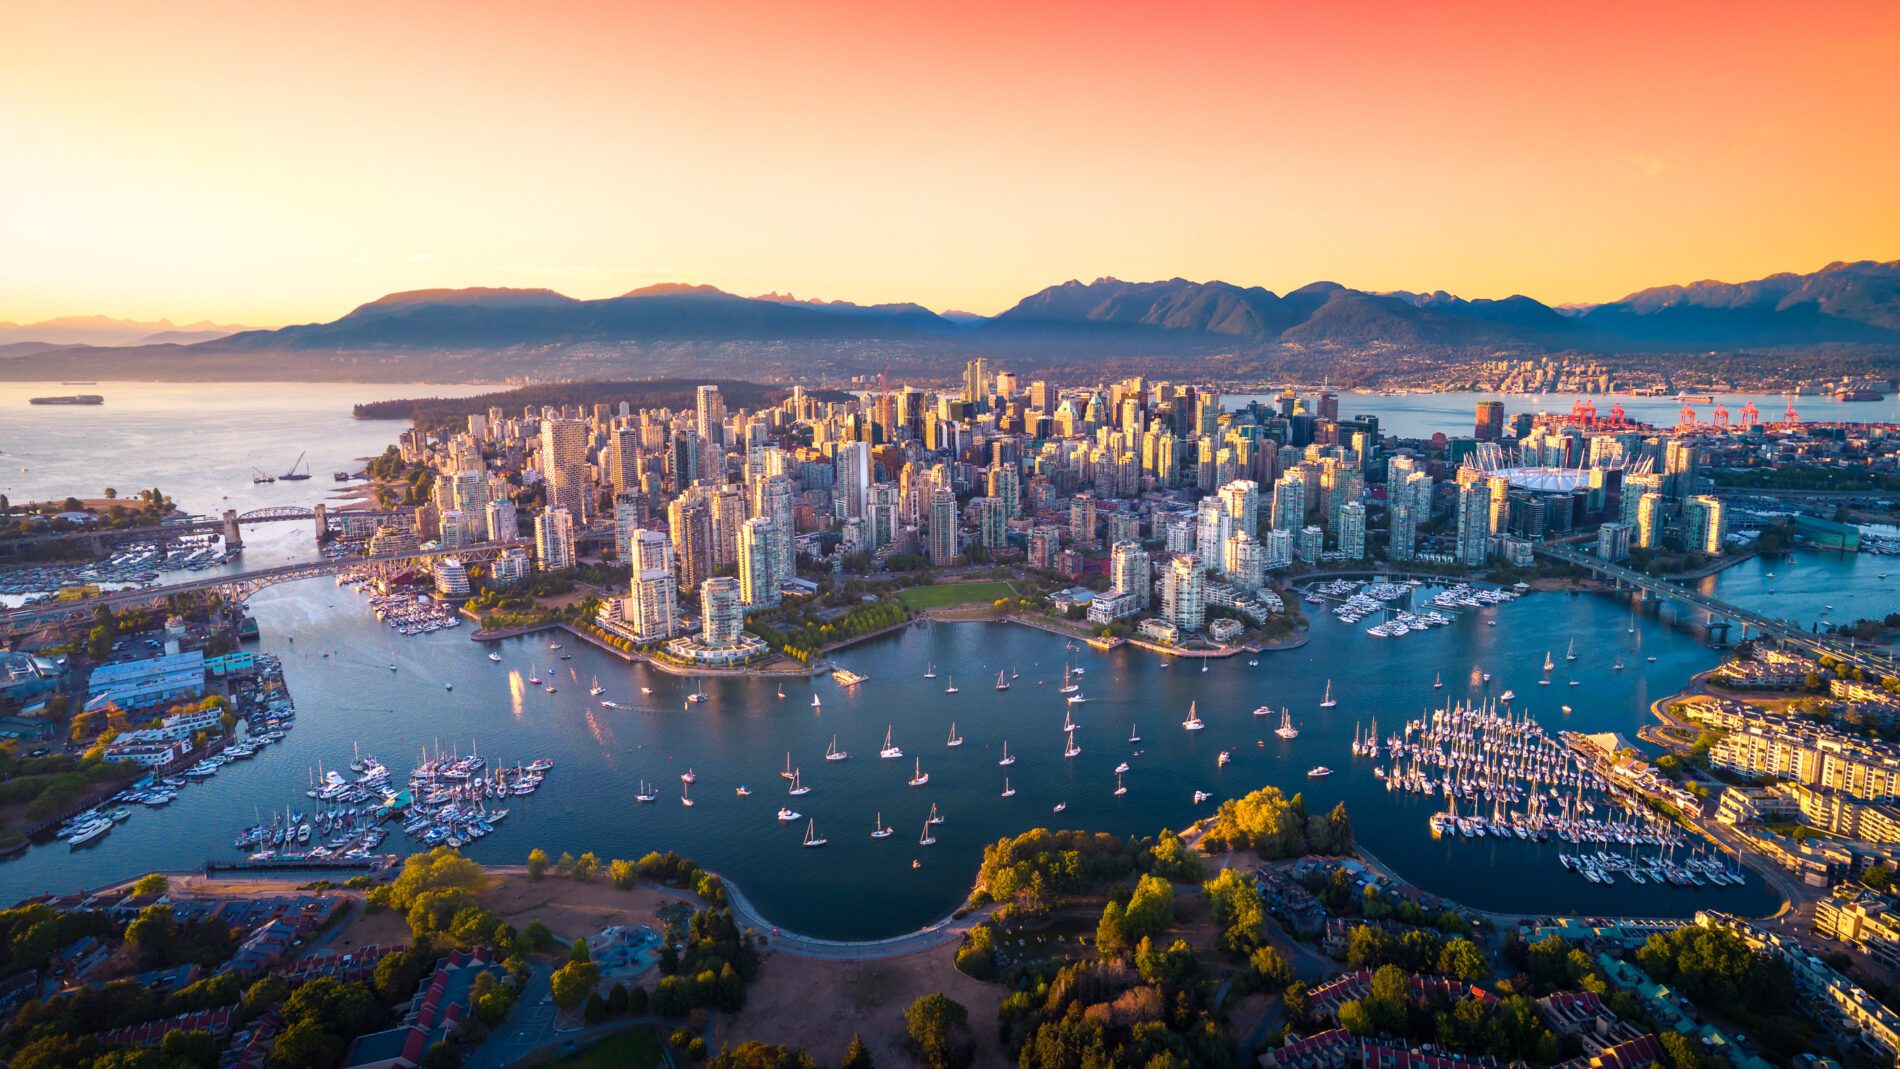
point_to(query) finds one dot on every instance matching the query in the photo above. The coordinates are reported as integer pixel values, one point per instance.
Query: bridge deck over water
(1721, 612)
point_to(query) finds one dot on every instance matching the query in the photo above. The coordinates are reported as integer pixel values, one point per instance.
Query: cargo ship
(69, 399)
(1859, 395)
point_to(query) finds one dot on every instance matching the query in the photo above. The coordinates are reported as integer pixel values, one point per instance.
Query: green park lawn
(947, 595)
(638, 1049)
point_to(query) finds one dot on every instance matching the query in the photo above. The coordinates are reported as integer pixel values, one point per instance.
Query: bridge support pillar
(1718, 632)
(233, 535)
(323, 520)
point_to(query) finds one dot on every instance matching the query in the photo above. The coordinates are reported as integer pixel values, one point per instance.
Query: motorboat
(786, 814)
(1318, 771)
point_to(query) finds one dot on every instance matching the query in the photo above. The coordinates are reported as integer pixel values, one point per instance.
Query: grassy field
(947, 595)
(638, 1049)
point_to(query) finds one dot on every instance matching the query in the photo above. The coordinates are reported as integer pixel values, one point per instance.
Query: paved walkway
(948, 930)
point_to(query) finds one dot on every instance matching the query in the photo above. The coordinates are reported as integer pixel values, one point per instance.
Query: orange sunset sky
(268, 163)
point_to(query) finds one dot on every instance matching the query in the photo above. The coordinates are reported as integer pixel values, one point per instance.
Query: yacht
(1286, 730)
(1193, 721)
(742, 791)
(1318, 771)
(1618, 666)
(786, 772)
(1438, 681)
(1507, 695)
(689, 776)
(1123, 767)
(1201, 796)
(1007, 759)
(1060, 806)
(889, 750)
(935, 817)
(699, 695)
(596, 690)
(534, 675)
(954, 739)
(1570, 653)
(1072, 750)
(1076, 699)
(798, 786)
(832, 753)
(1133, 735)
(1223, 759)
(781, 692)
(815, 703)
(1263, 710)
(646, 794)
(812, 837)
(878, 830)
(686, 798)
(1548, 663)
(1120, 789)
(925, 839)
(1008, 791)
(786, 814)
(930, 671)
(606, 704)
(1067, 686)
(1002, 681)
(952, 688)
(1068, 722)
(1326, 702)
(918, 776)
(496, 657)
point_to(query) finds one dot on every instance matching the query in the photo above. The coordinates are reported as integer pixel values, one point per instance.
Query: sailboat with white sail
(954, 739)
(1193, 721)
(812, 838)
(890, 750)
(1327, 701)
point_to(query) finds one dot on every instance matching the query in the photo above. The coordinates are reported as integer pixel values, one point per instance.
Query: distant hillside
(103, 330)
(674, 329)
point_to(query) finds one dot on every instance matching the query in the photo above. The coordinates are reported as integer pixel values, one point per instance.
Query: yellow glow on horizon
(272, 164)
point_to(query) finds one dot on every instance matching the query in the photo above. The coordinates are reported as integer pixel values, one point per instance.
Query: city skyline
(960, 162)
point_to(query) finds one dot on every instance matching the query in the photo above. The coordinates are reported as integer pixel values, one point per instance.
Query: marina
(611, 759)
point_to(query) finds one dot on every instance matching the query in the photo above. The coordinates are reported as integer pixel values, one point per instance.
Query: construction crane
(259, 477)
(293, 474)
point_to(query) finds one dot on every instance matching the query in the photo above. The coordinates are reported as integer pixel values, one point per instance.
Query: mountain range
(486, 332)
(102, 330)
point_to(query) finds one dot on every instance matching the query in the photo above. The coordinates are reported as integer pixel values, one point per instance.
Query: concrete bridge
(1723, 615)
(240, 585)
(228, 526)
